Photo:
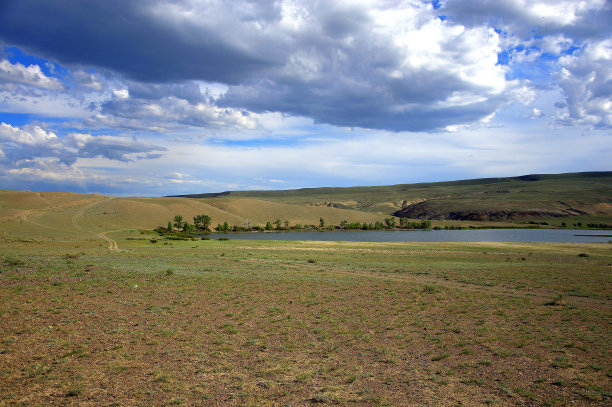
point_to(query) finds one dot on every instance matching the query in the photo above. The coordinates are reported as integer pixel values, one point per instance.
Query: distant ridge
(474, 181)
(522, 197)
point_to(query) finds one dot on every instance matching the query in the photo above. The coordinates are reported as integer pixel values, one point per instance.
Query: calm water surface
(468, 235)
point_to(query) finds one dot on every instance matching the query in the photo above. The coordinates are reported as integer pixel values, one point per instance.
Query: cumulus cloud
(88, 79)
(396, 68)
(163, 107)
(30, 144)
(378, 64)
(586, 80)
(578, 19)
(31, 75)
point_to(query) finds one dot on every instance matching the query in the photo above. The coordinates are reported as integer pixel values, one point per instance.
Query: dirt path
(112, 244)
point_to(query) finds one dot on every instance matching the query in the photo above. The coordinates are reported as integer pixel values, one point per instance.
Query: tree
(178, 221)
(268, 225)
(170, 226)
(343, 224)
(287, 224)
(187, 227)
(277, 222)
(390, 222)
(202, 222)
(321, 223)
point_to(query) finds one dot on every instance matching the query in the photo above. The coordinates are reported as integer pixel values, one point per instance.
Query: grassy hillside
(62, 215)
(513, 198)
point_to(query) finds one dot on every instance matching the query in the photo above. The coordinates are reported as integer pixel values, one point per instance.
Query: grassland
(585, 197)
(97, 314)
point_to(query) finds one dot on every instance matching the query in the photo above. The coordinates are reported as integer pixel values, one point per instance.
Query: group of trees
(201, 223)
(390, 223)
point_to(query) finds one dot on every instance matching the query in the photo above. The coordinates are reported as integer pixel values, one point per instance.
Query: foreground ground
(250, 323)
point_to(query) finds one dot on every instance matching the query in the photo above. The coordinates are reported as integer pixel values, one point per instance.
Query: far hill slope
(512, 198)
(62, 216)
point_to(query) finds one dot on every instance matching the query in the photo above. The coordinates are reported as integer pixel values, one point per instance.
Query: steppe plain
(92, 312)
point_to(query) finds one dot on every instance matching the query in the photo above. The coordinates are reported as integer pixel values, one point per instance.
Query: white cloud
(524, 16)
(165, 107)
(32, 75)
(31, 137)
(23, 145)
(121, 94)
(586, 80)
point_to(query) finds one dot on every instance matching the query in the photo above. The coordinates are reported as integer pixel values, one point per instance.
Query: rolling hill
(571, 198)
(526, 197)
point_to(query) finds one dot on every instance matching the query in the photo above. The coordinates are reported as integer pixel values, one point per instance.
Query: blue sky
(170, 97)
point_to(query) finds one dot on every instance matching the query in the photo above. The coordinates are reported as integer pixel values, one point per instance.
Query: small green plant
(440, 356)
(73, 392)
(302, 377)
(562, 362)
(558, 300)
(169, 272)
(321, 397)
(230, 329)
(13, 261)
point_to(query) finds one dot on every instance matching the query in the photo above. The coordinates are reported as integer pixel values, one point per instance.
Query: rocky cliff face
(432, 210)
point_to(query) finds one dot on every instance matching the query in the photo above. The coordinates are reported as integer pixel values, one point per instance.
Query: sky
(167, 97)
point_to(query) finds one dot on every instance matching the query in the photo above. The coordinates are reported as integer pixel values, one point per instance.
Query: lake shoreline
(440, 235)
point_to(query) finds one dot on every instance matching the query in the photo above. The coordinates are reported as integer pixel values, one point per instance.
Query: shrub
(13, 261)
(440, 356)
(431, 289)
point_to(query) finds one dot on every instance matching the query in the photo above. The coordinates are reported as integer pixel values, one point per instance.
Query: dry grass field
(96, 310)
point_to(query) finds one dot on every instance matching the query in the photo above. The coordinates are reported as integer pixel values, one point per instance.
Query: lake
(465, 235)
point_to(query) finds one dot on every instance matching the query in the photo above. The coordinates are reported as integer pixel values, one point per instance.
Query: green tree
(201, 222)
(390, 222)
(187, 227)
(321, 223)
(277, 222)
(170, 226)
(178, 221)
(269, 225)
(343, 224)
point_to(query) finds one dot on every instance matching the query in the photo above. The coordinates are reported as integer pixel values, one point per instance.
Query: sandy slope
(66, 216)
